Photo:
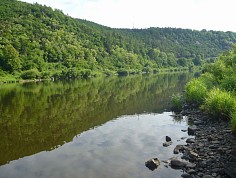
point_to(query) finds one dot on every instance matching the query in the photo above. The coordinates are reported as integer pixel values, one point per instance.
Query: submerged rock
(166, 144)
(152, 164)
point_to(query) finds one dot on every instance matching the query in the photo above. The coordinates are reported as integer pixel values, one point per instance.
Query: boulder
(152, 164)
(190, 140)
(177, 164)
(179, 148)
(168, 139)
(192, 130)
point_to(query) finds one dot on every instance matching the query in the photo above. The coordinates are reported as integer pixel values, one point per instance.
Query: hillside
(39, 42)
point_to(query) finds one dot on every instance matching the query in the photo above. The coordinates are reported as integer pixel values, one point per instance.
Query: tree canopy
(36, 38)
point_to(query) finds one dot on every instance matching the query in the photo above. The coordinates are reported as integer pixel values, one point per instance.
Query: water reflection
(39, 117)
(116, 149)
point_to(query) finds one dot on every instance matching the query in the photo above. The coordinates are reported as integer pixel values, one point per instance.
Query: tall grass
(196, 91)
(176, 102)
(219, 104)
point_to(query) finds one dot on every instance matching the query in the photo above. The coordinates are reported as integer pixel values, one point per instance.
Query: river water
(102, 127)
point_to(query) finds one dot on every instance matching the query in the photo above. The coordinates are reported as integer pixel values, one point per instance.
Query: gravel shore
(212, 152)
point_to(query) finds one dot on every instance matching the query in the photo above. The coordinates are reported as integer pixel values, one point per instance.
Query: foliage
(219, 104)
(37, 37)
(196, 91)
(218, 87)
(176, 102)
(30, 74)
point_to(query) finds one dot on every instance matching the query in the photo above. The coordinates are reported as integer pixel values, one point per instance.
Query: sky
(218, 15)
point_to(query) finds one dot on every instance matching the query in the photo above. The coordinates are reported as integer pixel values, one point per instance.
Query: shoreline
(212, 151)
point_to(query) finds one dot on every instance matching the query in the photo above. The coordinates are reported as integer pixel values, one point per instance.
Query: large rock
(152, 164)
(192, 130)
(177, 164)
(179, 149)
(168, 139)
(190, 140)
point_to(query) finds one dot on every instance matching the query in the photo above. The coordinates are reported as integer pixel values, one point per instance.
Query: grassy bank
(214, 92)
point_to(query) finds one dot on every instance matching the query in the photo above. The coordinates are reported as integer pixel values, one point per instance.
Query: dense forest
(40, 42)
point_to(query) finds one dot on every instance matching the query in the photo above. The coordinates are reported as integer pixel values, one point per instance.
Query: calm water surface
(104, 127)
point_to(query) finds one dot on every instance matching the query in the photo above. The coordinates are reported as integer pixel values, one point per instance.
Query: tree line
(39, 42)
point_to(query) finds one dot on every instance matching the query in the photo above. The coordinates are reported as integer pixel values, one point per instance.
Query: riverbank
(212, 151)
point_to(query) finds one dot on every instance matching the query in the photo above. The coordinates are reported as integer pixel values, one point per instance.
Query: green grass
(196, 91)
(219, 104)
(176, 102)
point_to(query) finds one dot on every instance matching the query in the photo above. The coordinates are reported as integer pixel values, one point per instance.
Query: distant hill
(39, 42)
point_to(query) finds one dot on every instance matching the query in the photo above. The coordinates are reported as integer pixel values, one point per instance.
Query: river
(101, 127)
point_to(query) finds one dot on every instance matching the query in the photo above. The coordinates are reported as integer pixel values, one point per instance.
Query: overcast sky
(192, 14)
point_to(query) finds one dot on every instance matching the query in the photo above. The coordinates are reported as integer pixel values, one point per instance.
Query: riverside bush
(176, 102)
(196, 91)
(30, 74)
(219, 104)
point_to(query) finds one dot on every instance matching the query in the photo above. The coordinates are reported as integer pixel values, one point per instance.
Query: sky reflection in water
(118, 148)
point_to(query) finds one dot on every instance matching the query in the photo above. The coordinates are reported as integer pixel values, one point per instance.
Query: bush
(229, 83)
(30, 74)
(219, 104)
(176, 103)
(196, 91)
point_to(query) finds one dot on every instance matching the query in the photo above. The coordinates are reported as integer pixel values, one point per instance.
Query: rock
(190, 165)
(207, 176)
(166, 144)
(198, 122)
(191, 171)
(185, 175)
(192, 130)
(179, 148)
(177, 164)
(190, 140)
(152, 164)
(230, 168)
(183, 130)
(192, 154)
(168, 139)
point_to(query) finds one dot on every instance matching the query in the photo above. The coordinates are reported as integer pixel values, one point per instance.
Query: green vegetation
(176, 102)
(39, 42)
(219, 103)
(196, 92)
(215, 90)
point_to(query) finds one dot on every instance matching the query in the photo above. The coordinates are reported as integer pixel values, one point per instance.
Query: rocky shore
(211, 153)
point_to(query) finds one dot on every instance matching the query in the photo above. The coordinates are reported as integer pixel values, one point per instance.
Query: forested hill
(37, 41)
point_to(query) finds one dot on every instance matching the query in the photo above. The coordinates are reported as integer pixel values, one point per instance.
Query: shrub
(219, 104)
(176, 102)
(208, 79)
(196, 91)
(229, 83)
(30, 74)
